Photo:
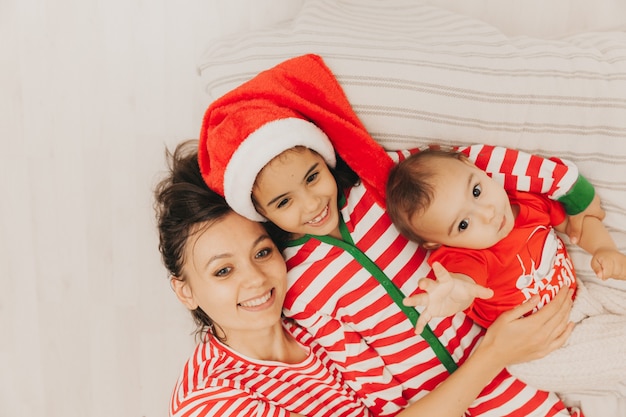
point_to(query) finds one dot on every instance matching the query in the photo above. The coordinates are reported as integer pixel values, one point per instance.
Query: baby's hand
(445, 296)
(609, 263)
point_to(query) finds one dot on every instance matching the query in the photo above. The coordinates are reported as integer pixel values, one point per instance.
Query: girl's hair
(345, 177)
(410, 188)
(184, 206)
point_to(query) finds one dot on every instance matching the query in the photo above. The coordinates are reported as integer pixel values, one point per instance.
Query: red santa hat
(298, 102)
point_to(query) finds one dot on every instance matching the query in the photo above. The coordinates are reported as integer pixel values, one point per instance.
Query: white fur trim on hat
(259, 148)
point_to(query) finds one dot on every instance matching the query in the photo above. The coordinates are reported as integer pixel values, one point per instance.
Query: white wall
(90, 93)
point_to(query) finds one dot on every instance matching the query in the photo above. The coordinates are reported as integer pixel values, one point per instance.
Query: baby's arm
(449, 294)
(606, 261)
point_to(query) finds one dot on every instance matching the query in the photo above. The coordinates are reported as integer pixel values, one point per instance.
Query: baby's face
(469, 208)
(297, 192)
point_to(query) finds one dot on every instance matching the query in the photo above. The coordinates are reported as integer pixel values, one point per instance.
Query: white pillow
(418, 74)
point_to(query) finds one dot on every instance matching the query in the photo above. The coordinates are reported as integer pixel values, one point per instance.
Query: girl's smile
(297, 192)
(319, 219)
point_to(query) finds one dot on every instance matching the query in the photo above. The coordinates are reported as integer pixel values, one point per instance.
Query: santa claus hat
(298, 102)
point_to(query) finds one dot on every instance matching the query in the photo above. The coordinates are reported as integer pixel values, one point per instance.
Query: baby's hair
(184, 207)
(345, 177)
(410, 188)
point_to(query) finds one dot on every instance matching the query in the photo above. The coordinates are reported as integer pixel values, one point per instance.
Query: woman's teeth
(257, 301)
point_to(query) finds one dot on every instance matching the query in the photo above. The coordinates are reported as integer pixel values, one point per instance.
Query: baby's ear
(430, 245)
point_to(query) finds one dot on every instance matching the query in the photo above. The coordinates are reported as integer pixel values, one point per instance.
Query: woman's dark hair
(345, 177)
(183, 205)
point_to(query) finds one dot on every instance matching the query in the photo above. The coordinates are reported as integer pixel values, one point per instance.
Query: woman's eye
(222, 272)
(464, 224)
(264, 253)
(476, 191)
(312, 177)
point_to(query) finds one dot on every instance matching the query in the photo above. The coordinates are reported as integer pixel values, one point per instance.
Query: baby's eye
(464, 224)
(477, 190)
(282, 203)
(222, 272)
(312, 177)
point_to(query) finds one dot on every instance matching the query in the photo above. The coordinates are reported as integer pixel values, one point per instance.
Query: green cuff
(578, 198)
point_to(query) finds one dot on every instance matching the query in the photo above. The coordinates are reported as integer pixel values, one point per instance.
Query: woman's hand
(510, 339)
(513, 338)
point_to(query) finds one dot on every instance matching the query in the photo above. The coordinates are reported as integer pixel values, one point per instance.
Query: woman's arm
(511, 339)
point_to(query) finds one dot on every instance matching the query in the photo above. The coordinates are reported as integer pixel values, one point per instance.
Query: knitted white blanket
(594, 358)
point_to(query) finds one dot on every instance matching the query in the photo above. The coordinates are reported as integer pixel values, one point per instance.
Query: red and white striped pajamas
(339, 302)
(217, 381)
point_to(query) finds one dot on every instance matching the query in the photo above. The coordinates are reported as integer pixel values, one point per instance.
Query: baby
(480, 233)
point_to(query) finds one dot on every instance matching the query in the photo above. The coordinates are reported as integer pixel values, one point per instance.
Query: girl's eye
(312, 177)
(282, 203)
(223, 272)
(476, 191)
(464, 224)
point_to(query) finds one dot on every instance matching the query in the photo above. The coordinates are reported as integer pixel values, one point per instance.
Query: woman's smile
(259, 303)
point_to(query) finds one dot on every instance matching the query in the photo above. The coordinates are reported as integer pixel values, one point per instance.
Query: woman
(250, 360)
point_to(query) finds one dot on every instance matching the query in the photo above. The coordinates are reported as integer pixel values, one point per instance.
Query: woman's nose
(254, 276)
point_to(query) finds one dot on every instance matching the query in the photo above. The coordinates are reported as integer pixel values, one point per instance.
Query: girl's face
(469, 208)
(298, 193)
(236, 274)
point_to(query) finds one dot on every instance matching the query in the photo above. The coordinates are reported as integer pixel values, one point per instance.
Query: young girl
(270, 147)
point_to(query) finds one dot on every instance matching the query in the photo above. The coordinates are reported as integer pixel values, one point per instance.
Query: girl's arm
(511, 339)
(556, 178)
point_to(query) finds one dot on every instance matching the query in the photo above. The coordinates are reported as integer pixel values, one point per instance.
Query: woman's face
(236, 274)
(298, 193)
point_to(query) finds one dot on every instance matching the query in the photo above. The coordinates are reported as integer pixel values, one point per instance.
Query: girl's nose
(311, 202)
